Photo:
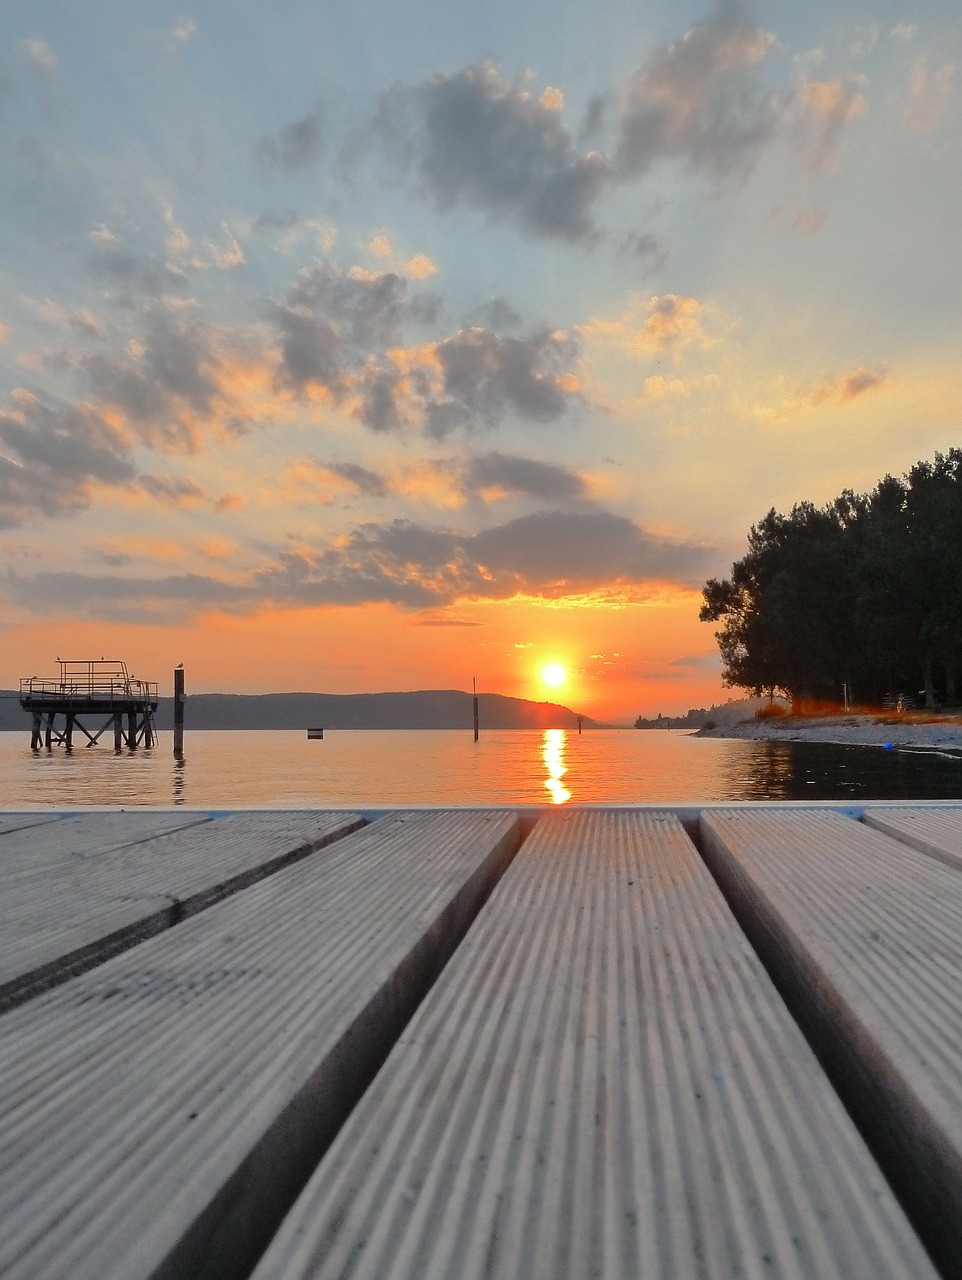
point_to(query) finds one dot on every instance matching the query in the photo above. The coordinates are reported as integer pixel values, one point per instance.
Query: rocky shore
(891, 731)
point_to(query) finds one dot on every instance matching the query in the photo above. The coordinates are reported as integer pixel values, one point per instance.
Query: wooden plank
(937, 832)
(160, 1113)
(603, 1082)
(70, 905)
(70, 840)
(864, 937)
(21, 821)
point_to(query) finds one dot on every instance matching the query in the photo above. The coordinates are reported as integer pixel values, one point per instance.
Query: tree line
(860, 597)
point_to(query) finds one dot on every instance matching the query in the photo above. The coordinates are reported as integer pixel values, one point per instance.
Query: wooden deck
(466, 1044)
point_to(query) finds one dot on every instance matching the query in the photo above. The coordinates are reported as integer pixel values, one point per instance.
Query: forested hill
(424, 709)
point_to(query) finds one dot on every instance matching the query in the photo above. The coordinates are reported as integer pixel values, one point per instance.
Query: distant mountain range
(423, 709)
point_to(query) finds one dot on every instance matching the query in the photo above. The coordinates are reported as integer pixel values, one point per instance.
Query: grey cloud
(497, 313)
(518, 475)
(311, 349)
(696, 660)
(172, 375)
(71, 442)
(555, 551)
(701, 100)
(145, 274)
(129, 599)
(331, 322)
(277, 221)
(479, 140)
(294, 146)
(484, 142)
(363, 479)
(426, 308)
(368, 309)
(171, 489)
(335, 331)
(550, 554)
(645, 247)
(380, 408)
(55, 458)
(85, 323)
(486, 375)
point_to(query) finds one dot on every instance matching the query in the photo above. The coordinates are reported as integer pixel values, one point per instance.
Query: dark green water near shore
(819, 771)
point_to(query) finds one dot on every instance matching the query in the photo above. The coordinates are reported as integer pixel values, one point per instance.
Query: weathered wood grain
(864, 936)
(603, 1082)
(77, 892)
(937, 832)
(159, 1114)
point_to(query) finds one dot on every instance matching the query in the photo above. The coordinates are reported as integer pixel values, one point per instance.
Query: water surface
(373, 769)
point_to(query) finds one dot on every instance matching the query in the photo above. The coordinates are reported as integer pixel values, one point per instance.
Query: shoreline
(890, 732)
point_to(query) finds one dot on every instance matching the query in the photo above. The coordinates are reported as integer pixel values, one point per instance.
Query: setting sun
(553, 675)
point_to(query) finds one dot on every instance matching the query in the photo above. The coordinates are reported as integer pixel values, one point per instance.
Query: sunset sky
(367, 346)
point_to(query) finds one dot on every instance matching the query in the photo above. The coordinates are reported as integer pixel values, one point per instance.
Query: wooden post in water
(179, 710)
(474, 682)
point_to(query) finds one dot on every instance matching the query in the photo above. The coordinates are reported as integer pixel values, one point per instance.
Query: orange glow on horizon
(619, 664)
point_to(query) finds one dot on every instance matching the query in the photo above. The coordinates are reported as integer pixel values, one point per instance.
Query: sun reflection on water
(553, 745)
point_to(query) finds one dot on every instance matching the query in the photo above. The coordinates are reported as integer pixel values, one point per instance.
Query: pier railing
(114, 691)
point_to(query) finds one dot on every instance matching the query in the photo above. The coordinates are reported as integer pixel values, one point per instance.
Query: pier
(482, 1044)
(97, 687)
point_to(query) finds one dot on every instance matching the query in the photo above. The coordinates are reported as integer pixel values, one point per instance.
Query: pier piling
(179, 710)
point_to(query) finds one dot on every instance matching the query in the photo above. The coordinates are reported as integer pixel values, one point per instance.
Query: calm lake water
(375, 769)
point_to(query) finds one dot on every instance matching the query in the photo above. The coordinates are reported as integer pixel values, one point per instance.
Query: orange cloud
(436, 483)
(658, 387)
(662, 324)
(420, 267)
(218, 548)
(673, 321)
(827, 106)
(827, 101)
(143, 547)
(229, 502)
(838, 389)
(424, 357)
(849, 385)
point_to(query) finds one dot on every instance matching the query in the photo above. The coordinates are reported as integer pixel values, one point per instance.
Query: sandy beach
(886, 731)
